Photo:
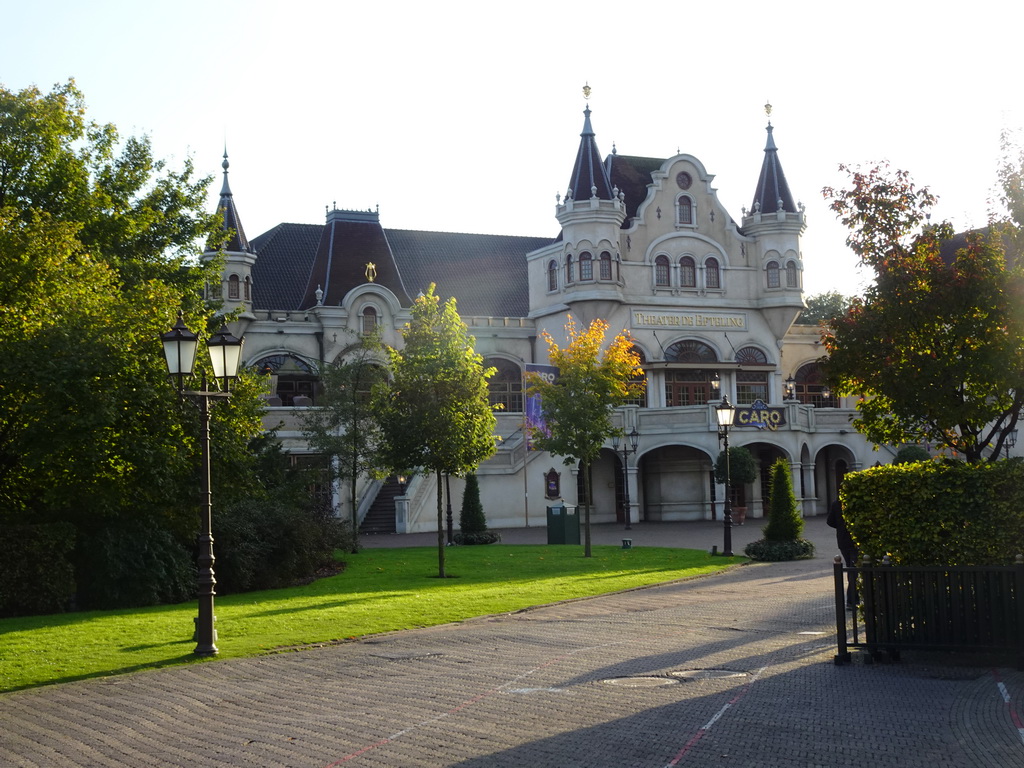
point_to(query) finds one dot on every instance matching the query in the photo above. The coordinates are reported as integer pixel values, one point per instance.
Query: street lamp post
(627, 448)
(725, 413)
(180, 346)
(790, 388)
(1011, 440)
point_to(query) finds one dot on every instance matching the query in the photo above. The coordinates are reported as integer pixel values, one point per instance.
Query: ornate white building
(645, 244)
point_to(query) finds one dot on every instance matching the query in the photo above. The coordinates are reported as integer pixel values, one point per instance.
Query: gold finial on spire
(371, 271)
(586, 91)
(768, 110)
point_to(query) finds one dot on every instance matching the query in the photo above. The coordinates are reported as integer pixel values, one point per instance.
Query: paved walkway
(728, 670)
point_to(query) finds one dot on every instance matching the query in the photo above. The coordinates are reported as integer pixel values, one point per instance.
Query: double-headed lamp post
(180, 347)
(725, 412)
(627, 448)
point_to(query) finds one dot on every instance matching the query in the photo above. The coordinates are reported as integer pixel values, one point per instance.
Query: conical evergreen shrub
(471, 517)
(784, 520)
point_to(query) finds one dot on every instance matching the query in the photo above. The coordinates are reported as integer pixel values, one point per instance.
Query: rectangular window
(751, 386)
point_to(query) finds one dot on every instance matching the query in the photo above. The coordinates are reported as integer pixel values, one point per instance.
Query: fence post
(843, 653)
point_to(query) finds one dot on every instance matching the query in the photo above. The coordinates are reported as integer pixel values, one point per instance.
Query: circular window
(684, 180)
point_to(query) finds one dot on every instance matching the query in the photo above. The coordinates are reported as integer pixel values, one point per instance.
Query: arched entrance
(674, 484)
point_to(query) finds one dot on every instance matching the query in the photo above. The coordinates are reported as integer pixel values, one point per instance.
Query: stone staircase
(380, 518)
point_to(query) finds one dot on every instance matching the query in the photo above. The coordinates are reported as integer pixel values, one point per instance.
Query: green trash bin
(563, 524)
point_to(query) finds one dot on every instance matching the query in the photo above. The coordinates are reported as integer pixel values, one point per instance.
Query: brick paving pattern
(727, 670)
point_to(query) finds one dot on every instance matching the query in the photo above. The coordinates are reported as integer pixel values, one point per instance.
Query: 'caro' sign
(760, 415)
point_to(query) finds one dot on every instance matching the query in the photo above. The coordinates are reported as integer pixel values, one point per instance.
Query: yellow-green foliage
(933, 513)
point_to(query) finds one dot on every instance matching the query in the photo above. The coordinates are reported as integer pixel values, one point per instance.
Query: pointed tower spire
(772, 192)
(589, 176)
(238, 242)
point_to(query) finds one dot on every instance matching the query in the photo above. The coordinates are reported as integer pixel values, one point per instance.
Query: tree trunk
(352, 501)
(588, 485)
(440, 528)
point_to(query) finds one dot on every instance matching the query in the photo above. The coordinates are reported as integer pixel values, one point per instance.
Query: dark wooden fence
(952, 608)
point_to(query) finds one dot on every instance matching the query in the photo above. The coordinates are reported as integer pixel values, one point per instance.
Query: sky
(465, 116)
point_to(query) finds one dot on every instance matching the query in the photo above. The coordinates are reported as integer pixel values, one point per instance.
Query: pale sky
(465, 116)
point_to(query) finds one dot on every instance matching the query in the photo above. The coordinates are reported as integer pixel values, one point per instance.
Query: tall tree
(435, 412)
(935, 348)
(90, 430)
(823, 308)
(592, 381)
(343, 426)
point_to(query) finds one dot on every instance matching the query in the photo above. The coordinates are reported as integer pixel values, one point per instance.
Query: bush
(938, 513)
(268, 544)
(36, 572)
(483, 537)
(908, 454)
(776, 551)
(742, 467)
(128, 564)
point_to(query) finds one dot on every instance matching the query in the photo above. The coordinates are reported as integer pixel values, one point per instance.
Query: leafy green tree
(91, 432)
(578, 406)
(935, 348)
(343, 426)
(823, 308)
(435, 412)
(133, 212)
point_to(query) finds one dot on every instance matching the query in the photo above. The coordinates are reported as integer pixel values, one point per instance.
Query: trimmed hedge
(938, 513)
(776, 551)
(36, 570)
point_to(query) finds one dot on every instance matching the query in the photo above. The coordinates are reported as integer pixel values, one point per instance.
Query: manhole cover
(707, 674)
(639, 682)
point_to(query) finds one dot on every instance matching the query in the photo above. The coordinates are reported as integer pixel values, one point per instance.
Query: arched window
(641, 398)
(688, 272)
(369, 324)
(751, 385)
(661, 276)
(552, 275)
(684, 206)
(248, 289)
(712, 274)
(773, 274)
(690, 351)
(606, 266)
(586, 266)
(811, 388)
(792, 279)
(505, 388)
(569, 277)
(291, 377)
(233, 287)
(688, 387)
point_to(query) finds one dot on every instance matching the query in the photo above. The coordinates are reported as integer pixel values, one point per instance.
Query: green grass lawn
(380, 590)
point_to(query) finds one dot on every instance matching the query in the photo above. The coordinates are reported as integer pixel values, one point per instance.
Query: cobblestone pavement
(728, 670)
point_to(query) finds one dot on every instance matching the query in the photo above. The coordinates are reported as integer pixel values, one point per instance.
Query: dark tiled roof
(485, 273)
(772, 186)
(284, 260)
(632, 175)
(349, 241)
(589, 172)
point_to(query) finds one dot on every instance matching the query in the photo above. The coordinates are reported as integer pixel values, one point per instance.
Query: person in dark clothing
(846, 547)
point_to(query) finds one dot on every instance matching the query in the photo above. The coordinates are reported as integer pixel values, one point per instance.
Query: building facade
(643, 243)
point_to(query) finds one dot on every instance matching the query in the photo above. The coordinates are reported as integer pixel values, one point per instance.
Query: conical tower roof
(238, 241)
(771, 186)
(589, 175)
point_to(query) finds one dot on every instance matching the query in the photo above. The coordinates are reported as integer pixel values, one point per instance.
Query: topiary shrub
(908, 454)
(472, 522)
(784, 520)
(742, 466)
(785, 525)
